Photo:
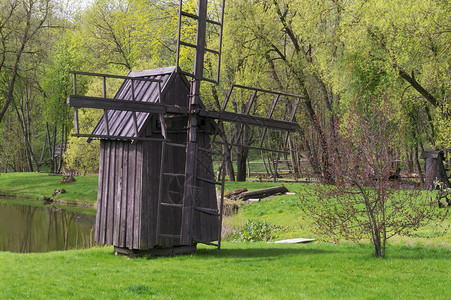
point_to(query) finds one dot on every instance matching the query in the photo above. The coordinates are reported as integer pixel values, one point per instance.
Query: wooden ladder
(212, 211)
(162, 188)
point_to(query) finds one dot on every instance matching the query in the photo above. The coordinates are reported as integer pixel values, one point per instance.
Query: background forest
(342, 56)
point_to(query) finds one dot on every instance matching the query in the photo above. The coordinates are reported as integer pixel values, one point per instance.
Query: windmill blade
(225, 116)
(124, 105)
(203, 18)
(249, 119)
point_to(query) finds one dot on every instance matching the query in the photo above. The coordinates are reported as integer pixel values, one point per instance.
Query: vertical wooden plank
(154, 161)
(221, 204)
(145, 221)
(118, 194)
(131, 197)
(100, 194)
(160, 197)
(111, 193)
(105, 184)
(208, 223)
(124, 208)
(138, 197)
(209, 192)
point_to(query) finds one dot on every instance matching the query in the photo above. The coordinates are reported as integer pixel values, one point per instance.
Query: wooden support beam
(117, 137)
(76, 124)
(115, 76)
(252, 147)
(75, 83)
(227, 97)
(268, 91)
(250, 120)
(135, 123)
(124, 105)
(250, 102)
(189, 195)
(106, 122)
(271, 111)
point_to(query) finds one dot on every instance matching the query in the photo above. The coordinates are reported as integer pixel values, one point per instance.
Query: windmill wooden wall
(129, 174)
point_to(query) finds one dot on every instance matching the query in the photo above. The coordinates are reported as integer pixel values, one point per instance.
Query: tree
(407, 43)
(57, 85)
(81, 155)
(287, 45)
(368, 200)
(20, 23)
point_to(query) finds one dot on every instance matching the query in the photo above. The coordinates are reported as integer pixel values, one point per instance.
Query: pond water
(29, 226)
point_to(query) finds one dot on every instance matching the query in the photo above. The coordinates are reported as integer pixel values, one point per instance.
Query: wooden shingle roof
(121, 123)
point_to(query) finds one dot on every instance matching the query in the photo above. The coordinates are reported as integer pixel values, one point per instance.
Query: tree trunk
(417, 163)
(241, 159)
(435, 170)
(242, 154)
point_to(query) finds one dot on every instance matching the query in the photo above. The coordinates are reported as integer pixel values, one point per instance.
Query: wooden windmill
(157, 191)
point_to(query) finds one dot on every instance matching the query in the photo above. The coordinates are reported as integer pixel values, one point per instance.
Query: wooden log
(262, 193)
(235, 192)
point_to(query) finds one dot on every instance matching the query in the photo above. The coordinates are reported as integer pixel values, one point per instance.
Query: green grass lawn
(38, 185)
(412, 269)
(240, 271)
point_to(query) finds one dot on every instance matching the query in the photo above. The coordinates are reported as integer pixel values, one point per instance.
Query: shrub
(255, 230)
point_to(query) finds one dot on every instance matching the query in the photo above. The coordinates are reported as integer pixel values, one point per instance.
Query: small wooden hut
(142, 172)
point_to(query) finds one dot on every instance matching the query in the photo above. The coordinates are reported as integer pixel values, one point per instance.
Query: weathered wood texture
(205, 216)
(119, 199)
(121, 122)
(129, 179)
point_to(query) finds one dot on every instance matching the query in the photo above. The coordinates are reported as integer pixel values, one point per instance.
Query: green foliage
(57, 81)
(442, 124)
(80, 155)
(12, 148)
(256, 230)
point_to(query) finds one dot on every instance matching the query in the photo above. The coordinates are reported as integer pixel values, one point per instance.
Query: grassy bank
(38, 185)
(280, 210)
(286, 212)
(240, 271)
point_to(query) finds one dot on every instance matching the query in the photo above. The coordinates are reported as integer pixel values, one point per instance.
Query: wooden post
(191, 151)
(75, 84)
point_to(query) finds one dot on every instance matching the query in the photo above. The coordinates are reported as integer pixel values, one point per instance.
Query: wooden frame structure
(156, 183)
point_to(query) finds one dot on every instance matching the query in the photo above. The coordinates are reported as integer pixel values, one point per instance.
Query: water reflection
(26, 228)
